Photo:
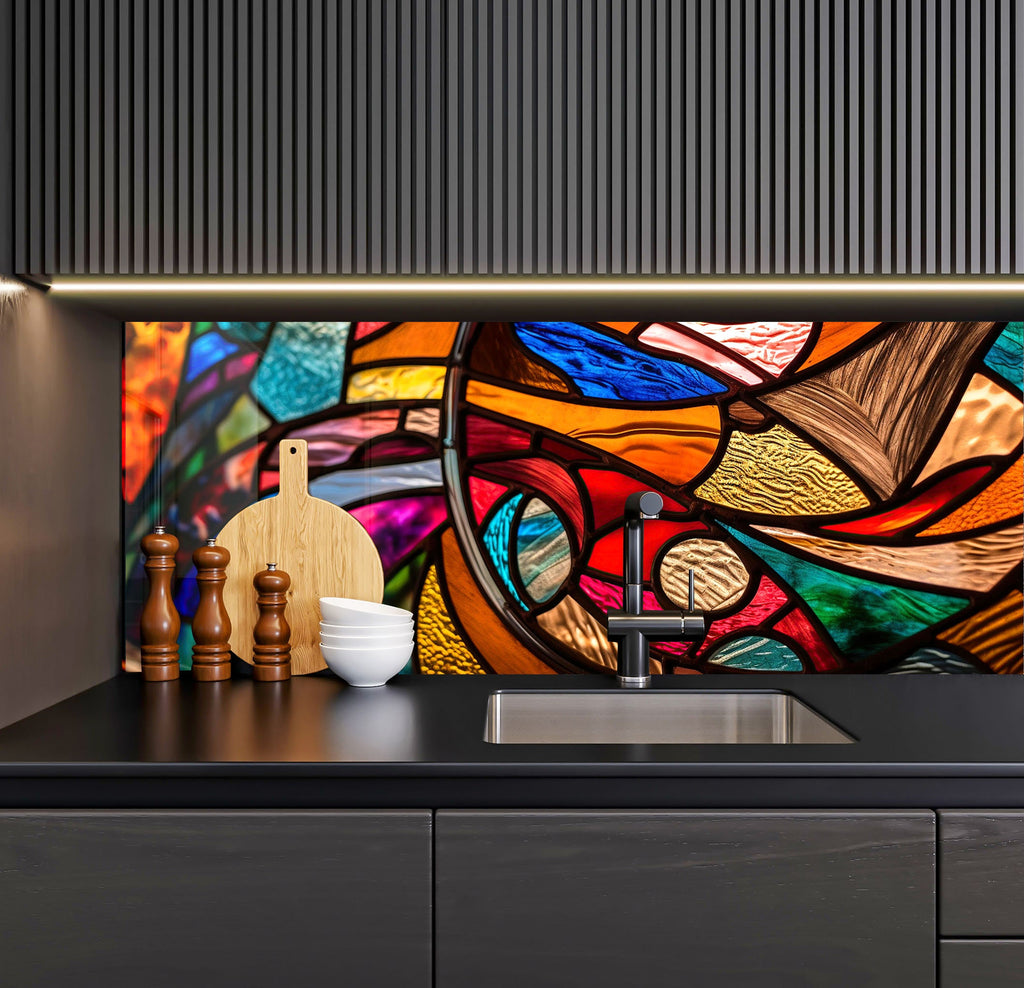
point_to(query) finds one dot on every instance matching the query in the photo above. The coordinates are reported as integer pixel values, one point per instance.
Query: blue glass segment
(497, 539)
(206, 350)
(605, 367)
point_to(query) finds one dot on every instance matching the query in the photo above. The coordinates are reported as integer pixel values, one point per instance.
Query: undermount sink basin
(655, 717)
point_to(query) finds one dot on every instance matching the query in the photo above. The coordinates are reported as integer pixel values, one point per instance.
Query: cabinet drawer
(547, 899)
(981, 963)
(981, 873)
(172, 899)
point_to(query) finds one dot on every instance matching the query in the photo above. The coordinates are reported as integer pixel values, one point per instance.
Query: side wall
(60, 532)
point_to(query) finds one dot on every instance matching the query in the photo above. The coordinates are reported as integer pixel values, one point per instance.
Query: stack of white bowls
(362, 642)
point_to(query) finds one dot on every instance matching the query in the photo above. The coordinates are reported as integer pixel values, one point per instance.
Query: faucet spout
(632, 627)
(641, 505)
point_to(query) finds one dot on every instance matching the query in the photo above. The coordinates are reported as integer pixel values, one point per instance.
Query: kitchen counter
(921, 742)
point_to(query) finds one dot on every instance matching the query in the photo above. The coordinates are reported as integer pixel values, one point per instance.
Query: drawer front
(606, 899)
(981, 873)
(181, 899)
(981, 963)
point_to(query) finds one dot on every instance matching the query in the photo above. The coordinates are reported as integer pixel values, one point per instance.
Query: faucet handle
(689, 595)
(644, 504)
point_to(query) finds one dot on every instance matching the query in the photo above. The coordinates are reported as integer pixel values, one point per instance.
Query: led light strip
(554, 285)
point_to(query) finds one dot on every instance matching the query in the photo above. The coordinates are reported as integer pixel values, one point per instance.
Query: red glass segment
(797, 625)
(917, 509)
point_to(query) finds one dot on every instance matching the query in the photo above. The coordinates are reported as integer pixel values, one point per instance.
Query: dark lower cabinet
(981, 963)
(981, 857)
(180, 899)
(605, 898)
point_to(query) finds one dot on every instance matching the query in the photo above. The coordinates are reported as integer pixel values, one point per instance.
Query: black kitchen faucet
(633, 628)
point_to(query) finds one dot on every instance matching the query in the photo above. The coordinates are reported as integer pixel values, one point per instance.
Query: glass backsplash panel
(850, 494)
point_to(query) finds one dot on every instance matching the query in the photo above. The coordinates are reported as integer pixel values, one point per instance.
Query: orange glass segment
(500, 649)
(409, 341)
(1002, 499)
(994, 635)
(835, 336)
(620, 327)
(154, 355)
(675, 444)
(988, 421)
(570, 623)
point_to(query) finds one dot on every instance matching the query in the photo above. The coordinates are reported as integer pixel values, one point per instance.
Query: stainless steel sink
(655, 717)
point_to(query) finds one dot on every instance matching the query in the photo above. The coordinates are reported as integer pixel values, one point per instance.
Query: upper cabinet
(548, 136)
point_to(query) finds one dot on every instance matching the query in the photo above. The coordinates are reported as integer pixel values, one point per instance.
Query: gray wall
(60, 527)
(556, 136)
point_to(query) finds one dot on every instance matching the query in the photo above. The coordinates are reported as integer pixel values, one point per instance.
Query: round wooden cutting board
(325, 550)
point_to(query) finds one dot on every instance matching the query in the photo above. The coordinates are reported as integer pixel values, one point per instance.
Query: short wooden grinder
(271, 650)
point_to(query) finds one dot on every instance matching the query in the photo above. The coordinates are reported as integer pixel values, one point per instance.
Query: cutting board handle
(294, 458)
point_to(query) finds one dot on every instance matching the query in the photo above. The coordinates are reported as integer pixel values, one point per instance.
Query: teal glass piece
(862, 616)
(301, 371)
(497, 540)
(185, 642)
(542, 551)
(254, 334)
(933, 660)
(759, 654)
(1006, 355)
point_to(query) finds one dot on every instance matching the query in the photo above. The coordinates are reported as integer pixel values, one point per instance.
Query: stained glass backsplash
(850, 494)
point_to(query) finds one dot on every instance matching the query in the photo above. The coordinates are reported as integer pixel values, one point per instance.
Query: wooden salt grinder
(271, 651)
(211, 627)
(160, 623)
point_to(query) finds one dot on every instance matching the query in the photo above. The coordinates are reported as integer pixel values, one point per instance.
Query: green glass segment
(402, 587)
(861, 615)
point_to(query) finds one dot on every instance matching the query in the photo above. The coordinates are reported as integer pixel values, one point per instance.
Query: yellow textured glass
(396, 383)
(440, 647)
(778, 472)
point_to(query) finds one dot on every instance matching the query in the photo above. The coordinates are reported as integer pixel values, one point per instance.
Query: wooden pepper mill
(271, 651)
(160, 623)
(211, 627)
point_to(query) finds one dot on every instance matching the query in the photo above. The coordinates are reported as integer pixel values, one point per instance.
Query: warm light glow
(879, 285)
(8, 287)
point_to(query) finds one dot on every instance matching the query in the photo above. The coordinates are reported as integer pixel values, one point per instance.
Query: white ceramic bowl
(366, 630)
(359, 641)
(366, 666)
(346, 610)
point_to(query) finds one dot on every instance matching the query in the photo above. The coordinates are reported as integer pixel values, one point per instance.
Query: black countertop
(922, 741)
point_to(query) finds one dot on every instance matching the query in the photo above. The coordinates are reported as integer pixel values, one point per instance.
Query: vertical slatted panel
(516, 136)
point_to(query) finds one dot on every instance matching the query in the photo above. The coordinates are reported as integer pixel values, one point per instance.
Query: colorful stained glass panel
(850, 495)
